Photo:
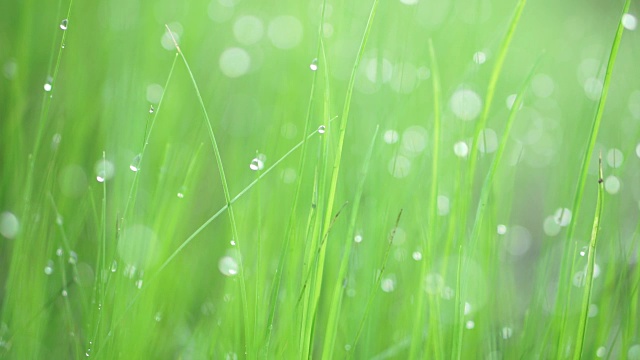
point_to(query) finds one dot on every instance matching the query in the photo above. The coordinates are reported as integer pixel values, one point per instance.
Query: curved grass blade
(582, 179)
(227, 196)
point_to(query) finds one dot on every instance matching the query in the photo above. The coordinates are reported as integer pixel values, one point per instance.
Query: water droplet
(443, 205)
(507, 332)
(502, 229)
(601, 352)
(235, 62)
(248, 29)
(584, 250)
(447, 293)
(55, 141)
(73, 257)
(151, 109)
(135, 163)
(233, 242)
(285, 32)
(414, 140)
(104, 170)
(228, 266)
(59, 252)
(388, 284)
(479, 57)
(550, 226)
(59, 220)
(9, 225)
(518, 241)
(391, 136)
(321, 129)
(562, 216)
(64, 24)
(64, 293)
(314, 65)
(593, 310)
(615, 158)
(612, 184)
(48, 269)
(139, 283)
(470, 324)
(417, 255)
(466, 104)
(347, 347)
(461, 149)
(129, 271)
(256, 164)
(289, 175)
(629, 22)
(357, 238)
(181, 195)
(114, 266)
(47, 86)
(399, 166)
(542, 85)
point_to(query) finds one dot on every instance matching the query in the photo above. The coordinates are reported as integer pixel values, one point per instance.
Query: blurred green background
(76, 252)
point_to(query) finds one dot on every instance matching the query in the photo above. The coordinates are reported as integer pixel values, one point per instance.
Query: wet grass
(230, 180)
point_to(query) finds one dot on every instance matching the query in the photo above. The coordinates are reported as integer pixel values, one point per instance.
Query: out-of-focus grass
(146, 264)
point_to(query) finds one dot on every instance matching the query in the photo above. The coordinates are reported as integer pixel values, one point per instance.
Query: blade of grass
(497, 160)
(248, 346)
(582, 179)
(429, 240)
(459, 310)
(338, 288)
(491, 87)
(338, 157)
(375, 287)
(591, 260)
(290, 233)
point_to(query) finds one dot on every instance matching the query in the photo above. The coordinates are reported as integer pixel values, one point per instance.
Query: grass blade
(376, 285)
(338, 288)
(582, 179)
(433, 200)
(591, 260)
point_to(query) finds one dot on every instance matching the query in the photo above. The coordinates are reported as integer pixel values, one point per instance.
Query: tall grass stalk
(429, 240)
(582, 179)
(591, 261)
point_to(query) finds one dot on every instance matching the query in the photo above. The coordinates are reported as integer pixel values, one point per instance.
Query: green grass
(371, 179)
